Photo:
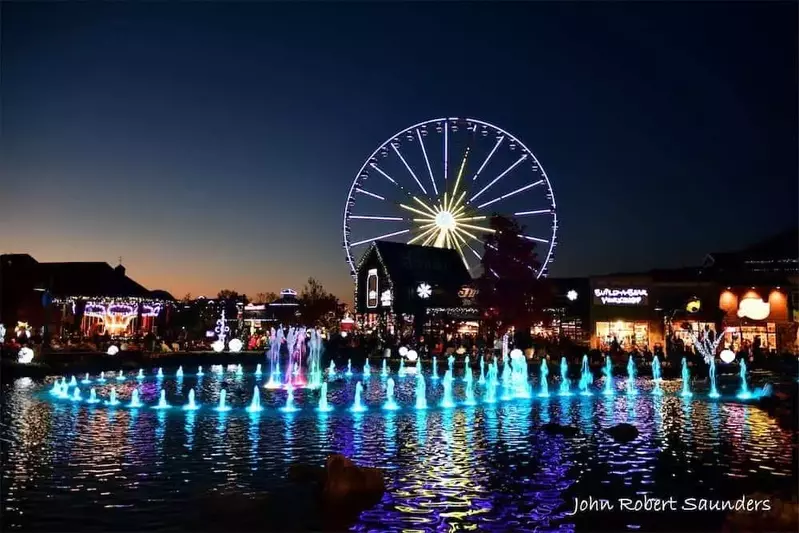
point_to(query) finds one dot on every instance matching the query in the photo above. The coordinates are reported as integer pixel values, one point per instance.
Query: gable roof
(412, 263)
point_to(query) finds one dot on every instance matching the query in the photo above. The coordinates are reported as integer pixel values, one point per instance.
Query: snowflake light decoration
(571, 295)
(424, 290)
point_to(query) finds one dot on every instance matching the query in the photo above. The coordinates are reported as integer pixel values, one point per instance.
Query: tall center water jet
(384, 371)
(421, 392)
(491, 384)
(507, 379)
(608, 371)
(76, 394)
(390, 403)
(73, 382)
(239, 370)
(686, 379)
(631, 390)
(160, 374)
(134, 399)
(656, 390)
(468, 388)
(200, 372)
(544, 383)
(112, 398)
(86, 379)
(451, 364)
(401, 371)
(179, 372)
(446, 383)
(92, 396)
(434, 373)
(101, 378)
(564, 378)
(482, 379)
(289, 407)
(744, 393)
(714, 393)
(191, 405)
(258, 371)
(331, 369)
(323, 405)
(140, 375)
(586, 378)
(162, 401)
(222, 406)
(255, 403)
(357, 403)
(349, 368)
(120, 376)
(367, 370)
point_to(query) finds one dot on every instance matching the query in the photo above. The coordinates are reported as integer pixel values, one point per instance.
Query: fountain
(101, 378)
(92, 396)
(56, 390)
(160, 373)
(76, 394)
(275, 342)
(434, 373)
(421, 392)
(686, 379)
(179, 373)
(401, 371)
(447, 400)
(315, 360)
(631, 390)
(296, 346)
(162, 404)
(191, 406)
(586, 378)
(255, 404)
(482, 379)
(258, 371)
(112, 398)
(390, 404)
(218, 369)
(349, 368)
(544, 384)
(384, 371)
(323, 405)
(419, 364)
(744, 393)
(467, 375)
(469, 400)
(507, 379)
(222, 406)
(289, 407)
(134, 399)
(73, 382)
(86, 379)
(564, 378)
(357, 404)
(140, 374)
(714, 393)
(491, 385)
(200, 372)
(331, 370)
(120, 376)
(656, 390)
(451, 363)
(367, 370)
(608, 371)
(239, 371)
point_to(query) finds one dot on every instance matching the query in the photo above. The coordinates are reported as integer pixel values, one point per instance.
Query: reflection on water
(486, 467)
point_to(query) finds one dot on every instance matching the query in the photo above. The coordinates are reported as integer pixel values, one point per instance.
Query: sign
(754, 308)
(467, 292)
(371, 289)
(385, 298)
(627, 296)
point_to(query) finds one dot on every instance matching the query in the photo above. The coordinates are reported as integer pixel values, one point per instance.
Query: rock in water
(346, 481)
(623, 432)
(557, 429)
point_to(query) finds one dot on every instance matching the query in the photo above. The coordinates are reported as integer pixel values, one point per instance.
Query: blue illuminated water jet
(586, 378)
(56, 390)
(608, 371)
(367, 370)
(469, 390)
(656, 390)
(289, 407)
(112, 398)
(222, 406)
(160, 373)
(258, 371)
(120, 376)
(349, 368)
(331, 369)
(390, 404)
(434, 374)
(86, 379)
(506, 382)
(101, 378)
(140, 374)
(451, 363)
(162, 403)
(743, 393)
(714, 393)
(446, 397)
(191, 405)
(482, 379)
(421, 392)
(239, 370)
(544, 384)
(76, 394)
(564, 378)
(686, 379)
(631, 390)
(92, 396)
(357, 403)
(323, 405)
(255, 403)
(134, 399)
(179, 372)
(384, 370)
(401, 371)
(200, 372)
(491, 384)
(73, 382)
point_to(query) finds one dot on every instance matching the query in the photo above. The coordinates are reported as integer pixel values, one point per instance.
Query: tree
(264, 298)
(227, 294)
(187, 298)
(509, 292)
(318, 307)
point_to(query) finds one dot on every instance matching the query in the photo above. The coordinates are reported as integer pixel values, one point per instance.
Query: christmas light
(25, 355)
(235, 345)
(424, 290)
(728, 356)
(112, 350)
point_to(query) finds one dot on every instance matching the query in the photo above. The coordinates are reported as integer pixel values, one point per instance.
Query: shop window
(696, 327)
(627, 334)
(744, 337)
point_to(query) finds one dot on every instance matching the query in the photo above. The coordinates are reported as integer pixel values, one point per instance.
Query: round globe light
(25, 355)
(343, 334)
(728, 356)
(218, 346)
(403, 351)
(235, 345)
(112, 350)
(516, 353)
(460, 351)
(412, 356)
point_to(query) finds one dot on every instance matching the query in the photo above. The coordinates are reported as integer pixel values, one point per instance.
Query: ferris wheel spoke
(478, 228)
(460, 243)
(460, 173)
(430, 238)
(426, 233)
(427, 161)
(446, 152)
(536, 212)
(386, 236)
(367, 193)
(484, 189)
(512, 193)
(396, 150)
(531, 238)
(479, 170)
(371, 217)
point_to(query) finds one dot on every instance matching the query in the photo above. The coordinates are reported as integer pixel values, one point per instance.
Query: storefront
(623, 314)
(756, 317)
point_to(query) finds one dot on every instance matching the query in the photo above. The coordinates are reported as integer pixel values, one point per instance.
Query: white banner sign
(621, 296)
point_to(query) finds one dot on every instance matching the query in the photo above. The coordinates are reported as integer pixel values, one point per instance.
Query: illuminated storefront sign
(467, 292)
(621, 296)
(754, 308)
(371, 289)
(385, 299)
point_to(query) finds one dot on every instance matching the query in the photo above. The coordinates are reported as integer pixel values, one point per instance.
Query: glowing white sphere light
(112, 350)
(218, 346)
(403, 351)
(235, 345)
(728, 356)
(343, 334)
(25, 355)
(412, 355)
(516, 353)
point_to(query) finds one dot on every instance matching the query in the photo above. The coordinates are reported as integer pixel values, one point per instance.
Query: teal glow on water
(349, 368)
(255, 403)
(390, 403)
(544, 383)
(112, 398)
(73, 382)
(160, 372)
(743, 393)
(367, 370)
(482, 379)
(630, 385)
(686, 379)
(401, 371)
(608, 371)
(384, 370)
(421, 392)
(331, 370)
(200, 371)
(258, 370)
(76, 395)
(92, 396)
(140, 374)
(357, 402)
(565, 384)
(447, 400)
(323, 406)
(656, 376)
(120, 376)
(191, 405)
(134, 399)
(179, 372)
(162, 403)
(714, 391)
(586, 378)
(434, 371)
(86, 379)
(289, 407)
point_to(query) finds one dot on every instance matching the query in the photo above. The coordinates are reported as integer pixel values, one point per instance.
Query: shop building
(569, 311)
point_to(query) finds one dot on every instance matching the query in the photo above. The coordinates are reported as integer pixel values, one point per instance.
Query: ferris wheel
(438, 182)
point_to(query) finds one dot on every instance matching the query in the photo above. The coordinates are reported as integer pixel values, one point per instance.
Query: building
(82, 298)
(402, 284)
(570, 310)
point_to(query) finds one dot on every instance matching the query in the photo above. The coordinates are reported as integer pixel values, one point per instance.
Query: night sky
(212, 145)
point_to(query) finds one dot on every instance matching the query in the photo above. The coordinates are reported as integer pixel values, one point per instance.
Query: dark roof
(784, 245)
(412, 263)
(159, 294)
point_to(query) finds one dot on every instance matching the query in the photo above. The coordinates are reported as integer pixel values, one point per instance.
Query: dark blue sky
(212, 145)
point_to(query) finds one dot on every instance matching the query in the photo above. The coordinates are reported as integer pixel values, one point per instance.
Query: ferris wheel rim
(350, 197)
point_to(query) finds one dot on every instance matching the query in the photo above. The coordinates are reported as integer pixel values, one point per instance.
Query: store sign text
(621, 296)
